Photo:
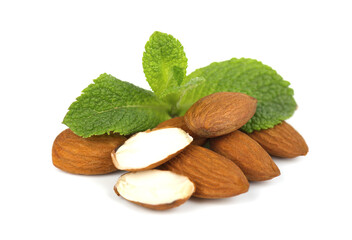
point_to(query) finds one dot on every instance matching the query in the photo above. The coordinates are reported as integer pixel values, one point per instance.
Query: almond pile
(168, 164)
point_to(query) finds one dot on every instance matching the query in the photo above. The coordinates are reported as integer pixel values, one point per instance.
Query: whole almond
(253, 160)
(213, 175)
(220, 113)
(89, 156)
(179, 122)
(281, 141)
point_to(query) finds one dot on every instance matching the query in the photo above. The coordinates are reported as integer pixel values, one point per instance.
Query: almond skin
(213, 175)
(281, 141)
(248, 155)
(220, 113)
(179, 122)
(88, 156)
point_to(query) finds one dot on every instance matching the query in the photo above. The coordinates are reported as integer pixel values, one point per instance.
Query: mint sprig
(111, 105)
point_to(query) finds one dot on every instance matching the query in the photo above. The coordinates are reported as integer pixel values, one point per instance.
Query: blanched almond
(155, 189)
(147, 150)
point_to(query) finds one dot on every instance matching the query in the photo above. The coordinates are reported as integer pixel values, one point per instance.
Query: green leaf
(164, 62)
(275, 98)
(112, 105)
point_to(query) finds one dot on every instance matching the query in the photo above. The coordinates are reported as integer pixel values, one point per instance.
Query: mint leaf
(275, 98)
(112, 105)
(164, 62)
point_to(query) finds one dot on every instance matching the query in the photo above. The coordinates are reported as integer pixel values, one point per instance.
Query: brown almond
(179, 122)
(248, 155)
(88, 156)
(213, 175)
(281, 141)
(220, 113)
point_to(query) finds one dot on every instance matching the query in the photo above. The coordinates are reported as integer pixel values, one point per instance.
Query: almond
(213, 175)
(220, 113)
(89, 156)
(281, 141)
(155, 189)
(147, 150)
(179, 122)
(253, 160)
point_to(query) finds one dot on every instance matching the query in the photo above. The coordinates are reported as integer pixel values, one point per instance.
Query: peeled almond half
(147, 150)
(155, 189)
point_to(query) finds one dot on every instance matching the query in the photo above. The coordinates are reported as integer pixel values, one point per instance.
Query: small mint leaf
(112, 105)
(164, 62)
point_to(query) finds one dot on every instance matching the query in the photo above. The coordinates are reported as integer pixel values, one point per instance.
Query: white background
(51, 50)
